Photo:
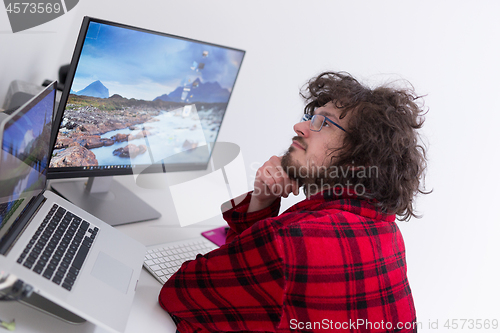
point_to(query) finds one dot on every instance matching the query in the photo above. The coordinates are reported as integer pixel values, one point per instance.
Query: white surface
(184, 197)
(447, 49)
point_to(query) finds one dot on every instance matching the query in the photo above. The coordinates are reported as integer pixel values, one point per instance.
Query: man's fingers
(295, 187)
(274, 179)
(281, 185)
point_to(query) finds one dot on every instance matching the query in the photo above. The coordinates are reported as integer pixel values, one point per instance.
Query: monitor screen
(136, 98)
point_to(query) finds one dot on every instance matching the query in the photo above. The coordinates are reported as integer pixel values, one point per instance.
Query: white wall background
(449, 50)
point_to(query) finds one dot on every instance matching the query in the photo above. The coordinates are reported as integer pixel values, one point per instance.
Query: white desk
(146, 314)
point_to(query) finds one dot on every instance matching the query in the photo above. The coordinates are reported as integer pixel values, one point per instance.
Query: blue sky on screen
(26, 128)
(142, 65)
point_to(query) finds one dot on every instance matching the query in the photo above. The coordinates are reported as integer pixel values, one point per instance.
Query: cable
(12, 288)
(6, 281)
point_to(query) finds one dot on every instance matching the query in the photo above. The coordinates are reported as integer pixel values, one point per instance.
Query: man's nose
(302, 128)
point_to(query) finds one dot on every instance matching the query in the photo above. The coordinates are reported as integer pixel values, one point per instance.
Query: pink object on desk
(216, 236)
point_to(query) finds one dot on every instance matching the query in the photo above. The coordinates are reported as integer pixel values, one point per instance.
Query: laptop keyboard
(164, 260)
(59, 247)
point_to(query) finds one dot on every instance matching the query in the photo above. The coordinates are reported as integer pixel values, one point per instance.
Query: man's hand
(271, 182)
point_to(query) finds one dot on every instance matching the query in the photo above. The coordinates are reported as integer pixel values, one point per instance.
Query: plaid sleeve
(238, 287)
(236, 216)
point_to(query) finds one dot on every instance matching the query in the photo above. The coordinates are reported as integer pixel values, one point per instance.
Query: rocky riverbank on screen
(110, 127)
(86, 119)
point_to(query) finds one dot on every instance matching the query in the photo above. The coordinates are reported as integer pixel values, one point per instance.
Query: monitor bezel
(77, 172)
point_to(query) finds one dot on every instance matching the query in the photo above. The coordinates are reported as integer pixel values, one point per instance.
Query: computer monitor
(137, 101)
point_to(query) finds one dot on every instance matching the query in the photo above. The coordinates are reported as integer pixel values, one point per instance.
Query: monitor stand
(106, 199)
(48, 307)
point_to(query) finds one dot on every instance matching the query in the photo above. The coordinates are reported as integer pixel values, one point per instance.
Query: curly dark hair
(381, 132)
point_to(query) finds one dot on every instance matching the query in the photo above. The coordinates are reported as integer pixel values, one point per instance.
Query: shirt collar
(347, 200)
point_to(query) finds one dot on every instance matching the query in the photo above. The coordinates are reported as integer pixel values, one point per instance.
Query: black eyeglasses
(317, 122)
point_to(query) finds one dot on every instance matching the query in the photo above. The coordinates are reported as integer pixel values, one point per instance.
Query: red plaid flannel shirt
(328, 263)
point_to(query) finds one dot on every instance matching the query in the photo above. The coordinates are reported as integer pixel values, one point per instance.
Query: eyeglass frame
(308, 117)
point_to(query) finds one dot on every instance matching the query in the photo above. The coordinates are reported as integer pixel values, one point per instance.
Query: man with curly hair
(336, 260)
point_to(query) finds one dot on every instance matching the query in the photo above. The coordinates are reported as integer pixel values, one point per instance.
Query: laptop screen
(24, 156)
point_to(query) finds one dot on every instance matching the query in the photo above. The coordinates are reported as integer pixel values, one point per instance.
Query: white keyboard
(164, 260)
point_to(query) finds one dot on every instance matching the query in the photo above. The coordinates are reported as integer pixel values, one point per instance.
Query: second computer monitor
(136, 98)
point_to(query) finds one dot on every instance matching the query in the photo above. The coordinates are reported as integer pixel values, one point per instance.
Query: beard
(307, 174)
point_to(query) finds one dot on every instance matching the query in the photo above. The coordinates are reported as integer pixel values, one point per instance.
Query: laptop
(73, 260)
